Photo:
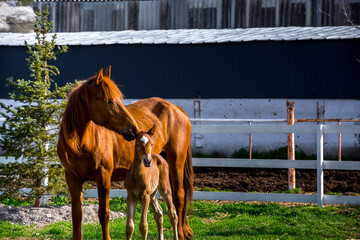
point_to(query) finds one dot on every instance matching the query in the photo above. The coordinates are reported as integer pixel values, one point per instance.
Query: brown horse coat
(95, 144)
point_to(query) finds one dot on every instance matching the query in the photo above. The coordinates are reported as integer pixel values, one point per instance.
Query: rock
(30, 215)
(16, 18)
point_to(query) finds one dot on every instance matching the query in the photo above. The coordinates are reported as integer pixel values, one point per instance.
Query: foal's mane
(77, 106)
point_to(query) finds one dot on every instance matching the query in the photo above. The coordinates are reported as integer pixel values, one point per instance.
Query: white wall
(267, 109)
(270, 109)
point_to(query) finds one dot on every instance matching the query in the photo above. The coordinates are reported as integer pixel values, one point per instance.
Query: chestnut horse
(95, 143)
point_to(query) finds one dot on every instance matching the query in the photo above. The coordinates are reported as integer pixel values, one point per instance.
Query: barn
(289, 62)
(116, 15)
(221, 73)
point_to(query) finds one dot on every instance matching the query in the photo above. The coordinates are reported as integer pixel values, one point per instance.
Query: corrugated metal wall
(70, 16)
(277, 69)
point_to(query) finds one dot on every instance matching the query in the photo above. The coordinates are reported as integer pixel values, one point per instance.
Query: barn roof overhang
(189, 36)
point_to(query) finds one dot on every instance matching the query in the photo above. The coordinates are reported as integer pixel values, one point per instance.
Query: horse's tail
(189, 190)
(188, 176)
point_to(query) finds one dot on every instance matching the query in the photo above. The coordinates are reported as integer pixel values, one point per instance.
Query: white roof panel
(189, 36)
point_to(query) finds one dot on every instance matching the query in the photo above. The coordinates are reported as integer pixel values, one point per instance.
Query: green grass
(57, 200)
(203, 155)
(291, 191)
(278, 153)
(224, 220)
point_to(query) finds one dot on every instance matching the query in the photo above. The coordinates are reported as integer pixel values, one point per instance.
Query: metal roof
(190, 36)
(80, 0)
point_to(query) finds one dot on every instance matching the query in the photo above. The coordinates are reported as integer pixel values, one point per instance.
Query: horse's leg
(143, 226)
(75, 188)
(165, 192)
(131, 209)
(176, 156)
(103, 180)
(158, 215)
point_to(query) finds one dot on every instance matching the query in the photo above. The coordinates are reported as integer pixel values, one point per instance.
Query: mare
(148, 174)
(95, 143)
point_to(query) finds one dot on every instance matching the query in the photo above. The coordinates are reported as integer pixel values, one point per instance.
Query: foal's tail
(189, 190)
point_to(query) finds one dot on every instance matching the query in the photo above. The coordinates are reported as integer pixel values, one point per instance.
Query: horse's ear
(151, 131)
(108, 72)
(99, 76)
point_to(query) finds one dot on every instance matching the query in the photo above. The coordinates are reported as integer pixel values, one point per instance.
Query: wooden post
(247, 14)
(308, 13)
(277, 13)
(339, 153)
(250, 144)
(291, 143)
(319, 9)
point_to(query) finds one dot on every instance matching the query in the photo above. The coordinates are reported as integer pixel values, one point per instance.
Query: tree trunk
(38, 201)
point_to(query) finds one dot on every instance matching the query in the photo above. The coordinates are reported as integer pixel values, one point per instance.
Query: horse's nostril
(147, 162)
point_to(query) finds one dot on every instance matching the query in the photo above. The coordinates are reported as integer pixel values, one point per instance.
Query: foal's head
(143, 146)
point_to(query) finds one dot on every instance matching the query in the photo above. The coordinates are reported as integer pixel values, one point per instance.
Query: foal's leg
(131, 209)
(75, 188)
(103, 180)
(143, 226)
(158, 215)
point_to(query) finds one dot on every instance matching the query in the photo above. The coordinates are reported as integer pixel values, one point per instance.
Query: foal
(148, 173)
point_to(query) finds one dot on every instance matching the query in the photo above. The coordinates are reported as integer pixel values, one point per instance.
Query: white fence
(320, 164)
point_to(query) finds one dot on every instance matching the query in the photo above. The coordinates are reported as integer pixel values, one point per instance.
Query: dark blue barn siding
(284, 69)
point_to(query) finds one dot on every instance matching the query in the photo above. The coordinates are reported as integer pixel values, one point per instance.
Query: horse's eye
(110, 102)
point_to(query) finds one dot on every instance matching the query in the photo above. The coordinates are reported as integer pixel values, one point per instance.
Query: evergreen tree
(30, 130)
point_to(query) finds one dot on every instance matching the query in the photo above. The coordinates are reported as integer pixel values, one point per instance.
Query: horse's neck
(82, 136)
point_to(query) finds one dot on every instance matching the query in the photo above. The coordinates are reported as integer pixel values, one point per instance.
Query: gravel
(40, 216)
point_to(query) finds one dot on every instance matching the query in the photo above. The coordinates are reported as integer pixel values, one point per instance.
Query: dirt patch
(30, 215)
(271, 180)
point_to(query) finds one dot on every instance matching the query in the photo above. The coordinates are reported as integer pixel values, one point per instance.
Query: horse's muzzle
(128, 135)
(147, 161)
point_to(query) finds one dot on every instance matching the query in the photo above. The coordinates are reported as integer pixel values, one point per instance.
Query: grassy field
(221, 220)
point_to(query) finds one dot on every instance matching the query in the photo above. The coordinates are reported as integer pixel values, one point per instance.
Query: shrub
(30, 130)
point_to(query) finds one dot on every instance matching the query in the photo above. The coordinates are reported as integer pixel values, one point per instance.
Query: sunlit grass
(221, 220)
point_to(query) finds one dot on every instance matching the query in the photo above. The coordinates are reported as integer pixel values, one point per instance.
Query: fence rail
(319, 164)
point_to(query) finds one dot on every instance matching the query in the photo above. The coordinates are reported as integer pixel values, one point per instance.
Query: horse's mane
(76, 109)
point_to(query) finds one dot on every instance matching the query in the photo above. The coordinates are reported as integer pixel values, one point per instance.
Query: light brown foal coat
(148, 173)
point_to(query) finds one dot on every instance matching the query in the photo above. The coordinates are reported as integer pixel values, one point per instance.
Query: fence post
(339, 136)
(320, 165)
(250, 144)
(291, 143)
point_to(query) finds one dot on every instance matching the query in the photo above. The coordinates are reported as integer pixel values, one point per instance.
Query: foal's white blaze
(144, 139)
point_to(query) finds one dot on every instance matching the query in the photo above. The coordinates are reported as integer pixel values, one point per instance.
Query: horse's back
(154, 106)
(158, 111)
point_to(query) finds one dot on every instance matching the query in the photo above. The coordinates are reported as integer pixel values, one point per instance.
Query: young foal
(148, 173)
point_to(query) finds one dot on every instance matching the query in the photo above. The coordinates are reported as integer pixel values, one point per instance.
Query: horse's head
(143, 145)
(105, 106)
